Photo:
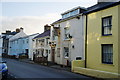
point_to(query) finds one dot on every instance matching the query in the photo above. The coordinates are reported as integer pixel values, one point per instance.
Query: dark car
(3, 69)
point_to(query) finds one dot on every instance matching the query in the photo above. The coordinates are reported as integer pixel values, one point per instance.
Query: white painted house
(21, 44)
(30, 52)
(1, 41)
(70, 42)
(41, 44)
(17, 43)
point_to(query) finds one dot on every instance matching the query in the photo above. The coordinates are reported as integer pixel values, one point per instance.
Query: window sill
(66, 57)
(107, 35)
(66, 39)
(107, 63)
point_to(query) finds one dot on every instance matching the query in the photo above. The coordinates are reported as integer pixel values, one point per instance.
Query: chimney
(47, 27)
(21, 29)
(17, 30)
(8, 32)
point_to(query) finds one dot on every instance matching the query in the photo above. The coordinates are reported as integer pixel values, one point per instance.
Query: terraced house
(102, 52)
(1, 41)
(41, 48)
(21, 44)
(6, 36)
(70, 36)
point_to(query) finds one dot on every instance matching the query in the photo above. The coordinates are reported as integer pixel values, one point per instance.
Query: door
(53, 55)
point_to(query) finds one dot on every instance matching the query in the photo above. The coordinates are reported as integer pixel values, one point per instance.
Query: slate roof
(94, 8)
(67, 18)
(100, 6)
(46, 33)
(13, 33)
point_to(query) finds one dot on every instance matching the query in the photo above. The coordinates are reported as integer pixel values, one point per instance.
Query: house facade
(102, 58)
(18, 44)
(70, 41)
(104, 39)
(5, 36)
(30, 47)
(41, 48)
(1, 41)
(22, 44)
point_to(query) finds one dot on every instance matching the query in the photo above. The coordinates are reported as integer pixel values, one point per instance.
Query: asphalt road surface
(25, 70)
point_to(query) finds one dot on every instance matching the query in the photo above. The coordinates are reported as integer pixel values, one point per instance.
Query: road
(25, 70)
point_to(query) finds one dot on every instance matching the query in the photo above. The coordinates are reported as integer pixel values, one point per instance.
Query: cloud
(44, 0)
(31, 24)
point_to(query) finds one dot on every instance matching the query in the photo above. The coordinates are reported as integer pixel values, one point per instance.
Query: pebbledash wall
(75, 25)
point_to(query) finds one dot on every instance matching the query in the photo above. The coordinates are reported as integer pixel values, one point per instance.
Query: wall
(31, 46)
(39, 47)
(1, 41)
(17, 48)
(119, 40)
(95, 40)
(77, 32)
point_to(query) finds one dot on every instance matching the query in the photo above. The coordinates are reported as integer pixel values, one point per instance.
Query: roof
(46, 33)
(73, 16)
(94, 8)
(100, 6)
(30, 35)
(18, 35)
(66, 18)
(73, 9)
(11, 33)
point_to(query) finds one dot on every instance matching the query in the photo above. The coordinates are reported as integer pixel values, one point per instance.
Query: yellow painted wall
(95, 39)
(119, 38)
(78, 63)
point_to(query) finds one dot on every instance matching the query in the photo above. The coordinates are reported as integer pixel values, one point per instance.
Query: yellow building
(102, 47)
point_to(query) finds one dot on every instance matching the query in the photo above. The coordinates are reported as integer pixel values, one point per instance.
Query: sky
(32, 15)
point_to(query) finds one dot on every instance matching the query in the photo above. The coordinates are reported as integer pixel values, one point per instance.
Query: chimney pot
(21, 29)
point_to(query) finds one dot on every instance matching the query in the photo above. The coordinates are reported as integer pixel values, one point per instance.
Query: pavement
(56, 66)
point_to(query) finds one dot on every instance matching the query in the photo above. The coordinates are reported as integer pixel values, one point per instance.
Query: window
(66, 52)
(46, 55)
(17, 41)
(107, 53)
(58, 52)
(74, 12)
(49, 51)
(66, 33)
(27, 40)
(23, 42)
(107, 26)
(47, 41)
(71, 13)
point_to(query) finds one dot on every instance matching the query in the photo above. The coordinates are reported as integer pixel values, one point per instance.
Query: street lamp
(52, 44)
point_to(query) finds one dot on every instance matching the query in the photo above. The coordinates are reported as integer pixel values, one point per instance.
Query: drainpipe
(86, 44)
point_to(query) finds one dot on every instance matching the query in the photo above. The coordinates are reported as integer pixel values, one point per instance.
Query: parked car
(3, 69)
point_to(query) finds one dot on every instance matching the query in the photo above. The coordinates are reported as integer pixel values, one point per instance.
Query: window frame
(66, 52)
(102, 57)
(66, 33)
(103, 34)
